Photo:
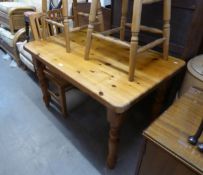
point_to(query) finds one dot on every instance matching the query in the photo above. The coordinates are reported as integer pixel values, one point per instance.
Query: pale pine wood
(95, 13)
(92, 18)
(53, 22)
(66, 24)
(150, 45)
(112, 39)
(106, 82)
(147, 29)
(111, 31)
(135, 29)
(44, 6)
(137, 10)
(171, 131)
(149, 73)
(123, 18)
(166, 27)
(35, 27)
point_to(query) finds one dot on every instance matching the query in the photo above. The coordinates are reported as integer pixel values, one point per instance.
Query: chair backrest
(53, 22)
(36, 25)
(54, 15)
(37, 21)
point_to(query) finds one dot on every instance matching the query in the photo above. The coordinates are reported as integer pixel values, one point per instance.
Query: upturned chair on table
(57, 23)
(135, 29)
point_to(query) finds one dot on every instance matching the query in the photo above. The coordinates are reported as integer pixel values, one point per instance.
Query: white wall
(38, 3)
(104, 2)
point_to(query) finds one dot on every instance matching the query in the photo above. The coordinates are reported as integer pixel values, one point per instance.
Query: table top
(105, 75)
(173, 128)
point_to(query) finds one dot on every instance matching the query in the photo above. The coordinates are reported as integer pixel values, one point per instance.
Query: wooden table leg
(161, 93)
(39, 67)
(62, 99)
(115, 120)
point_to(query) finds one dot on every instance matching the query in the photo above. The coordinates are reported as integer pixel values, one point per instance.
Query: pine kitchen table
(104, 77)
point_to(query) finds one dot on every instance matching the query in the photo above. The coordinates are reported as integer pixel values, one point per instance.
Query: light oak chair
(61, 85)
(135, 29)
(64, 25)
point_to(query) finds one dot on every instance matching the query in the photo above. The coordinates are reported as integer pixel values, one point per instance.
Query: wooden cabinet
(158, 162)
(167, 149)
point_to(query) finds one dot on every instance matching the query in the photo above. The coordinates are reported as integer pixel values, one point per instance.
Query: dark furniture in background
(85, 7)
(186, 24)
(167, 151)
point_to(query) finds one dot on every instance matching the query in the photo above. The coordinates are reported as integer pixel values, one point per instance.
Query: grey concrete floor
(35, 140)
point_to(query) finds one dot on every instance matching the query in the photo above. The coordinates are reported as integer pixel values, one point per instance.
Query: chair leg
(137, 9)
(166, 27)
(92, 18)
(66, 25)
(100, 16)
(123, 18)
(62, 101)
(75, 13)
(44, 6)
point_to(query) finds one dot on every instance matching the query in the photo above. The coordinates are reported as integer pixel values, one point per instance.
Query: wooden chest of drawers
(167, 149)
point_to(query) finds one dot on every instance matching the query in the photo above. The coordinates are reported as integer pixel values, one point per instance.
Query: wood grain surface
(172, 129)
(105, 75)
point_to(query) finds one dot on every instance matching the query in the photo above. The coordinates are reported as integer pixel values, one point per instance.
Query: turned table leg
(39, 67)
(115, 120)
